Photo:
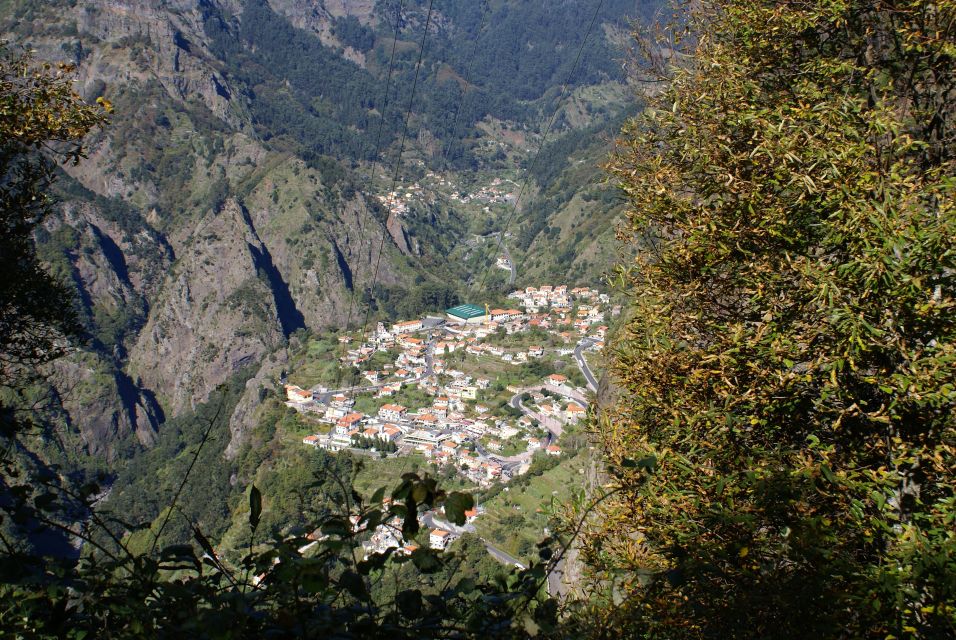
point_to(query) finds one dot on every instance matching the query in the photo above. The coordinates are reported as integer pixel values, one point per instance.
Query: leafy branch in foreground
(286, 586)
(791, 357)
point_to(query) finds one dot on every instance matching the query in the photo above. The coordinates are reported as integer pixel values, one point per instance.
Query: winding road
(584, 344)
(433, 522)
(514, 269)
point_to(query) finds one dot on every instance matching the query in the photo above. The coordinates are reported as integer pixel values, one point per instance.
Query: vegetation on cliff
(42, 122)
(781, 457)
(789, 371)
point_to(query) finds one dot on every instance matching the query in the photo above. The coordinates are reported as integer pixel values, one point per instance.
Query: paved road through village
(585, 343)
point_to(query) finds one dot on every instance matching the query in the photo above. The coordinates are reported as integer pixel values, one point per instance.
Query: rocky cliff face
(218, 312)
(244, 417)
(103, 405)
(324, 238)
(115, 261)
(195, 246)
(161, 41)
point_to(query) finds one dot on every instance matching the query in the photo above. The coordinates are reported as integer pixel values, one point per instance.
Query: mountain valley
(255, 187)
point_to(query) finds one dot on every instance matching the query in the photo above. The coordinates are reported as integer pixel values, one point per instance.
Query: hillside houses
(414, 392)
(298, 395)
(392, 412)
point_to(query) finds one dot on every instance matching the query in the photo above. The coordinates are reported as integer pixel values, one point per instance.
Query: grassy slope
(534, 503)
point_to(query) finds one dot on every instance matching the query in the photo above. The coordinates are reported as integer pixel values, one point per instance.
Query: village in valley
(478, 392)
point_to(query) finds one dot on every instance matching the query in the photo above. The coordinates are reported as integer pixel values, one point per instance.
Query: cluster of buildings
(387, 535)
(456, 428)
(442, 432)
(494, 193)
(398, 202)
(560, 298)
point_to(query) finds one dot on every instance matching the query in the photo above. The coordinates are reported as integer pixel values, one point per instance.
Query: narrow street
(584, 344)
(433, 522)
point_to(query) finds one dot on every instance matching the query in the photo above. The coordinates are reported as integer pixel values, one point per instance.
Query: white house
(406, 327)
(392, 412)
(440, 539)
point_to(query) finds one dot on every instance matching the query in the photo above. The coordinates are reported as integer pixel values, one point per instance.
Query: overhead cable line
(378, 138)
(398, 167)
(485, 11)
(544, 140)
(378, 150)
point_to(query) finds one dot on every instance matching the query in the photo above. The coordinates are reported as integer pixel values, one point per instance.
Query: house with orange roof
(440, 539)
(392, 412)
(450, 446)
(298, 395)
(574, 412)
(348, 422)
(409, 342)
(427, 420)
(340, 399)
(390, 433)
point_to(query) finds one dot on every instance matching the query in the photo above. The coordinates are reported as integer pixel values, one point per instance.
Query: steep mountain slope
(169, 170)
(232, 201)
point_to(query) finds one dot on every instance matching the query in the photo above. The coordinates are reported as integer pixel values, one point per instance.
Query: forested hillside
(217, 214)
(233, 200)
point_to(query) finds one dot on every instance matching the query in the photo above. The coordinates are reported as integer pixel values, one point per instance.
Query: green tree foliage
(339, 110)
(789, 365)
(150, 481)
(42, 122)
(377, 443)
(398, 303)
(286, 585)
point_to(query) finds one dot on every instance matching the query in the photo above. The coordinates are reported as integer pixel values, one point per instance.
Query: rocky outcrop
(115, 261)
(217, 313)
(243, 419)
(323, 239)
(174, 50)
(316, 16)
(398, 233)
(189, 290)
(103, 404)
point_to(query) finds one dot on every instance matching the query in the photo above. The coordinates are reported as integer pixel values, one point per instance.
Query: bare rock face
(115, 261)
(397, 231)
(243, 419)
(217, 313)
(103, 405)
(175, 52)
(323, 241)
